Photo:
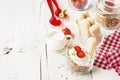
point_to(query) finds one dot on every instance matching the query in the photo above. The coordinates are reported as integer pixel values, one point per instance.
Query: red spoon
(58, 10)
(53, 20)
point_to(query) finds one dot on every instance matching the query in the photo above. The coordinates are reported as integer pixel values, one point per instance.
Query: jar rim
(111, 4)
(107, 10)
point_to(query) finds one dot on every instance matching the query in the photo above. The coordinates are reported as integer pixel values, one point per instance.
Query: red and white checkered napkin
(109, 52)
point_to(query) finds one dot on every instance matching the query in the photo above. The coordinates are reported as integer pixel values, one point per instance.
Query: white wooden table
(23, 25)
(54, 64)
(19, 25)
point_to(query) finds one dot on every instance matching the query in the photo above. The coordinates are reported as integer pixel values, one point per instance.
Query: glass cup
(79, 4)
(108, 13)
(78, 64)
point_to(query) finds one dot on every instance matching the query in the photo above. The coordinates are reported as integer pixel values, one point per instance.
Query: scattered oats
(61, 75)
(63, 65)
(66, 78)
(58, 67)
(110, 50)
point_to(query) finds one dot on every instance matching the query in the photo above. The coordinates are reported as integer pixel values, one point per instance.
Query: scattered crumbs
(66, 78)
(7, 50)
(110, 50)
(58, 67)
(63, 65)
(35, 47)
(61, 75)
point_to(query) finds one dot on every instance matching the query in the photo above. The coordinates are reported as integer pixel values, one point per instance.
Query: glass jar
(79, 4)
(78, 63)
(108, 13)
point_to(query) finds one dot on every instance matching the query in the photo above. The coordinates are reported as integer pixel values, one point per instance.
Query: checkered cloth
(108, 56)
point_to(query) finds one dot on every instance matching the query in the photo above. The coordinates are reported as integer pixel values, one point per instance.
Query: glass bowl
(79, 4)
(108, 14)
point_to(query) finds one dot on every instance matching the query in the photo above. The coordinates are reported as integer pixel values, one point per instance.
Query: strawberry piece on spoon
(67, 33)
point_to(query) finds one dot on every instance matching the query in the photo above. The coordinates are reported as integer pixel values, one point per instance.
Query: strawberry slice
(81, 54)
(77, 4)
(77, 48)
(109, 3)
(66, 31)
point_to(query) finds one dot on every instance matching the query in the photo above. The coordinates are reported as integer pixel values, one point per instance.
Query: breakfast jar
(108, 13)
(79, 4)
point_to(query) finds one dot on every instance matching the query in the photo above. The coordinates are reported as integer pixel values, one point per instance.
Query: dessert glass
(79, 4)
(82, 69)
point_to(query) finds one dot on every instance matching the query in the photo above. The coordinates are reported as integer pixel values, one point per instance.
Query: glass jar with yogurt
(79, 60)
(108, 13)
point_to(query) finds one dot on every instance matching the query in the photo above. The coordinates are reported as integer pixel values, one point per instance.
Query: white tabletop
(54, 64)
(20, 29)
(23, 27)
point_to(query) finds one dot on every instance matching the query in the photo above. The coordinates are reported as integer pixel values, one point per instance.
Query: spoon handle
(50, 6)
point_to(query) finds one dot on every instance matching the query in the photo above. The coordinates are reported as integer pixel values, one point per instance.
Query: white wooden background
(54, 64)
(23, 27)
(20, 29)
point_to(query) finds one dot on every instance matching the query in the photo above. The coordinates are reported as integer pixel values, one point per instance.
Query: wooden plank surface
(54, 64)
(19, 25)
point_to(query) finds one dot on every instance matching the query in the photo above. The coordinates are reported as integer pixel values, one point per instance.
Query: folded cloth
(118, 70)
(109, 52)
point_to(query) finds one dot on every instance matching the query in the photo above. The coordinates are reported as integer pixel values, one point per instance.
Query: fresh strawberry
(109, 3)
(77, 4)
(66, 31)
(81, 54)
(77, 48)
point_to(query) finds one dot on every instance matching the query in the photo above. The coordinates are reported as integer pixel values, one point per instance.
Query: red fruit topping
(77, 48)
(66, 31)
(77, 4)
(81, 54)
(109, 3)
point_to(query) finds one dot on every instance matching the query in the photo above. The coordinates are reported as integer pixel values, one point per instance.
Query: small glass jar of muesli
(108, 13)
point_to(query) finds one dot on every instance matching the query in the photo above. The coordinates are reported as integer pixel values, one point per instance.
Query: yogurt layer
(85, 61)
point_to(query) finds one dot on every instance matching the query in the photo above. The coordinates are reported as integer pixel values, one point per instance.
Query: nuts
(108, 20)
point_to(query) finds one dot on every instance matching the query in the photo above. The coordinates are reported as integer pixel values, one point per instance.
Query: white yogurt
(85, 61)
